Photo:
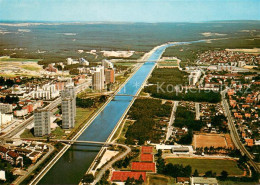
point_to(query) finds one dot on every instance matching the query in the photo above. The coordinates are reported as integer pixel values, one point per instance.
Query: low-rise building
(6, 108)
(203, 181)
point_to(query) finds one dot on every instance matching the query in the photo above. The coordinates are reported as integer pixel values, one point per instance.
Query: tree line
(194, 95)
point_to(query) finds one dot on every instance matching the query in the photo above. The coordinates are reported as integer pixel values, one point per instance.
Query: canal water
(71, 167)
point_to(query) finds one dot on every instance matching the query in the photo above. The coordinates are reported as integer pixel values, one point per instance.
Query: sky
(129, 10)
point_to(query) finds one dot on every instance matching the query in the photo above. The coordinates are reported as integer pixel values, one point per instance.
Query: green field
(19, 59)
(31, 68)
(159, 179)
(203, 165)
(168, 64)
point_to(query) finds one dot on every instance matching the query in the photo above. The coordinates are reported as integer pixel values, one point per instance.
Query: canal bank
(73, 164)
(66, 146)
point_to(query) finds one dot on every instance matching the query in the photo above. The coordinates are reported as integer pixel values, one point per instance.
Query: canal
(71, 167)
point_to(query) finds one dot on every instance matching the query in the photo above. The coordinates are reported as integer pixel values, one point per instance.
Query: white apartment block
(107, 64)
(47, 92)
(5, 118)
(194, 77)
(5, 108)
(98, 78)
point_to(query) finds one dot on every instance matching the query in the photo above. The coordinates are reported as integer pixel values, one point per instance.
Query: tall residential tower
(68, 106)
(42, 122)
(98, 78)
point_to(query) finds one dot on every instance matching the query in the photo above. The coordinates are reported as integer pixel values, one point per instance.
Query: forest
(190, 95)
(145, 112)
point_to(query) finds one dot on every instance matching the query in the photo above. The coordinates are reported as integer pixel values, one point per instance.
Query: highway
(234, 134)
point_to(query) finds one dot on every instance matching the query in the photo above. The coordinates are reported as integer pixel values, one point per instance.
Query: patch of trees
(256, 151)
(90, 102)
(185, 117)
(166, 76)
(88, 178)
(84, 103)
(9, 99)
(186, 139)
(144, 111)
(194, 95)
(103, 180)
(218, 150)
(7, 167)
(8, 82)
(218, 121)
(126, 161)
(131, 181)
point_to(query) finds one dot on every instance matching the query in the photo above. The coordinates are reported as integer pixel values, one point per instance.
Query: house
(13, 157)
(180, 150)
(143, 166)
(122, 176)
(3, 152)
(183, 180)
(203, 181)
(2, 175)
(249, 142)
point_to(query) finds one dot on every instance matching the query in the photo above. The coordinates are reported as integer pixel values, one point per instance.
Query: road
(234, 134)
(197, 108)
(109, 164)
(172, 118)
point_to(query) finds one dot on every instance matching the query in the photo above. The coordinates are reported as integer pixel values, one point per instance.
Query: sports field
(215, 140)
(203, 165)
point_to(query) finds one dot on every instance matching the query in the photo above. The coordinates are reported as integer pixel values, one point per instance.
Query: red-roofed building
(3, 152)
(146, 157)
(249, 142)
(143, 166)
(183, 180)
(147, 149)
(122, 176)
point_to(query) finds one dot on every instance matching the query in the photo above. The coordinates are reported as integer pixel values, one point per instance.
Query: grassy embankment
(159, 179)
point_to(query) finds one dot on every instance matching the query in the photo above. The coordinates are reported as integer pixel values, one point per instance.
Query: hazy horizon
(144, 11)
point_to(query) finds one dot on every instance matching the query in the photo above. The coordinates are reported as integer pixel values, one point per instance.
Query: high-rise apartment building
(107, 64)
(109, 76)
(68, 106)
(98, 78)
(42, 122)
